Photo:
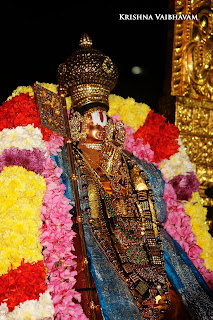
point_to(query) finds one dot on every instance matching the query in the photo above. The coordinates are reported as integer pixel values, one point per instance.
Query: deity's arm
(157, 184)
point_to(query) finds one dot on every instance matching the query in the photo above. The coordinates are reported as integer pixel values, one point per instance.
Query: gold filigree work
(192, 72)
(139, 183)
(192, 84)
(87, 75)
(93, 199)
(194, 119)
(51, 109)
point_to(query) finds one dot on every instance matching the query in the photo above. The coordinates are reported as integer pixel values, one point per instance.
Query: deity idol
(122, 206)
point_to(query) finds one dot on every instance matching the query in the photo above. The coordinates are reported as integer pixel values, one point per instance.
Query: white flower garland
(22, 138)
(30, 309)
(178, 163)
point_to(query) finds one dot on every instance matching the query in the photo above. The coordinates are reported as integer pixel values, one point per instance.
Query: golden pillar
(192, 86)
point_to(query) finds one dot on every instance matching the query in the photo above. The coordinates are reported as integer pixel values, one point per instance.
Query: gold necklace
(149, 239)
(114, 181)
(115, 184)
(94, 146)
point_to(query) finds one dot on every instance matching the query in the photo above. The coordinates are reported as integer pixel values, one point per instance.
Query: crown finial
(85, 41)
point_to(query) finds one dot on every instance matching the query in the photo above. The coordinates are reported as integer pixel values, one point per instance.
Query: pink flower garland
(57, 234)
(178, 226)
(135, 146)
(57, 240)
(178, 221)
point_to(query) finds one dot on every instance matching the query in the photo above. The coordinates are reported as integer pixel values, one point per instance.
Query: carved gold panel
(192, 70)
(192, 85)
(194, 119)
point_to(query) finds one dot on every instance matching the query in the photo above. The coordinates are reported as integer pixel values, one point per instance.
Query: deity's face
(93, 126)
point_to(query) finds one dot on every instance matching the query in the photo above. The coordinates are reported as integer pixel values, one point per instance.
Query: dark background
(35, 39)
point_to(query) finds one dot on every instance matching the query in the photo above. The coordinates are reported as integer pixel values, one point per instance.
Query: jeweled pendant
(116, 187)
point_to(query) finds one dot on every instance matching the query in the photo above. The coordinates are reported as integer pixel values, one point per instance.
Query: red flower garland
(160, 135)
(22, 284)
(21, 110)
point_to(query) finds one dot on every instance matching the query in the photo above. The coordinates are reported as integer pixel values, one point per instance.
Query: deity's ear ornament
(120, 133)
(112, 147)
(88, 75)
(75, 126)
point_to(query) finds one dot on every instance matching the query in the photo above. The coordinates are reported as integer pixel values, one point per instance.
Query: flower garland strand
(197, 214)
(21, 111)
(160, 135)
(179, 174)
(30, 309)
(132, 113)
(27, 137)
(177, 164)
(30, 160)
(23, 274)
(57, 239)
(143, 140)
(23, 149)
(26, 282)
(179, 225)
(29, 90)
(21, 194)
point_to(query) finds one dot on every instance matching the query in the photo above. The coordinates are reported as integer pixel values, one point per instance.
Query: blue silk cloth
(115, 298)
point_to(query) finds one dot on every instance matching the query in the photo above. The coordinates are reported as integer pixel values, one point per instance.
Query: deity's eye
(99, 118)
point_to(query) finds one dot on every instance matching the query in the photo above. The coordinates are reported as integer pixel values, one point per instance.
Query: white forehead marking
(97, 120)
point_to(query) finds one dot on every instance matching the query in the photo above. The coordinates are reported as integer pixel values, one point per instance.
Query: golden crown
(87, 75)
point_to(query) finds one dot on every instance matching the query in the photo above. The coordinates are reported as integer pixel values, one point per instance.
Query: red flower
(21, 110)
(161, 135)
(24, 283)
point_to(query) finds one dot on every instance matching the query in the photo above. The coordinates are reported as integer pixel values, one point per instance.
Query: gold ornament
(94, 146)
(109, 129)
(75, 126)
(87, 75)
(192, 70)
(194, 119)
(192, 84)
(120, 133)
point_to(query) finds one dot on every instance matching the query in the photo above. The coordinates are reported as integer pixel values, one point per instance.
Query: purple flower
(184, 185)
(30, 160)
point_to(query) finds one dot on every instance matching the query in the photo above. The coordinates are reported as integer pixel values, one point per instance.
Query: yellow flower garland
(197, 213)
(132, 113)
(21, 194)
(21, 89)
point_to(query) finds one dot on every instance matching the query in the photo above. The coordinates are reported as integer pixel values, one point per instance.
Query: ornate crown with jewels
(87, 75)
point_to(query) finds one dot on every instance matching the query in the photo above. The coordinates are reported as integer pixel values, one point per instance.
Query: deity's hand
(115, 132)
(112, 147)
